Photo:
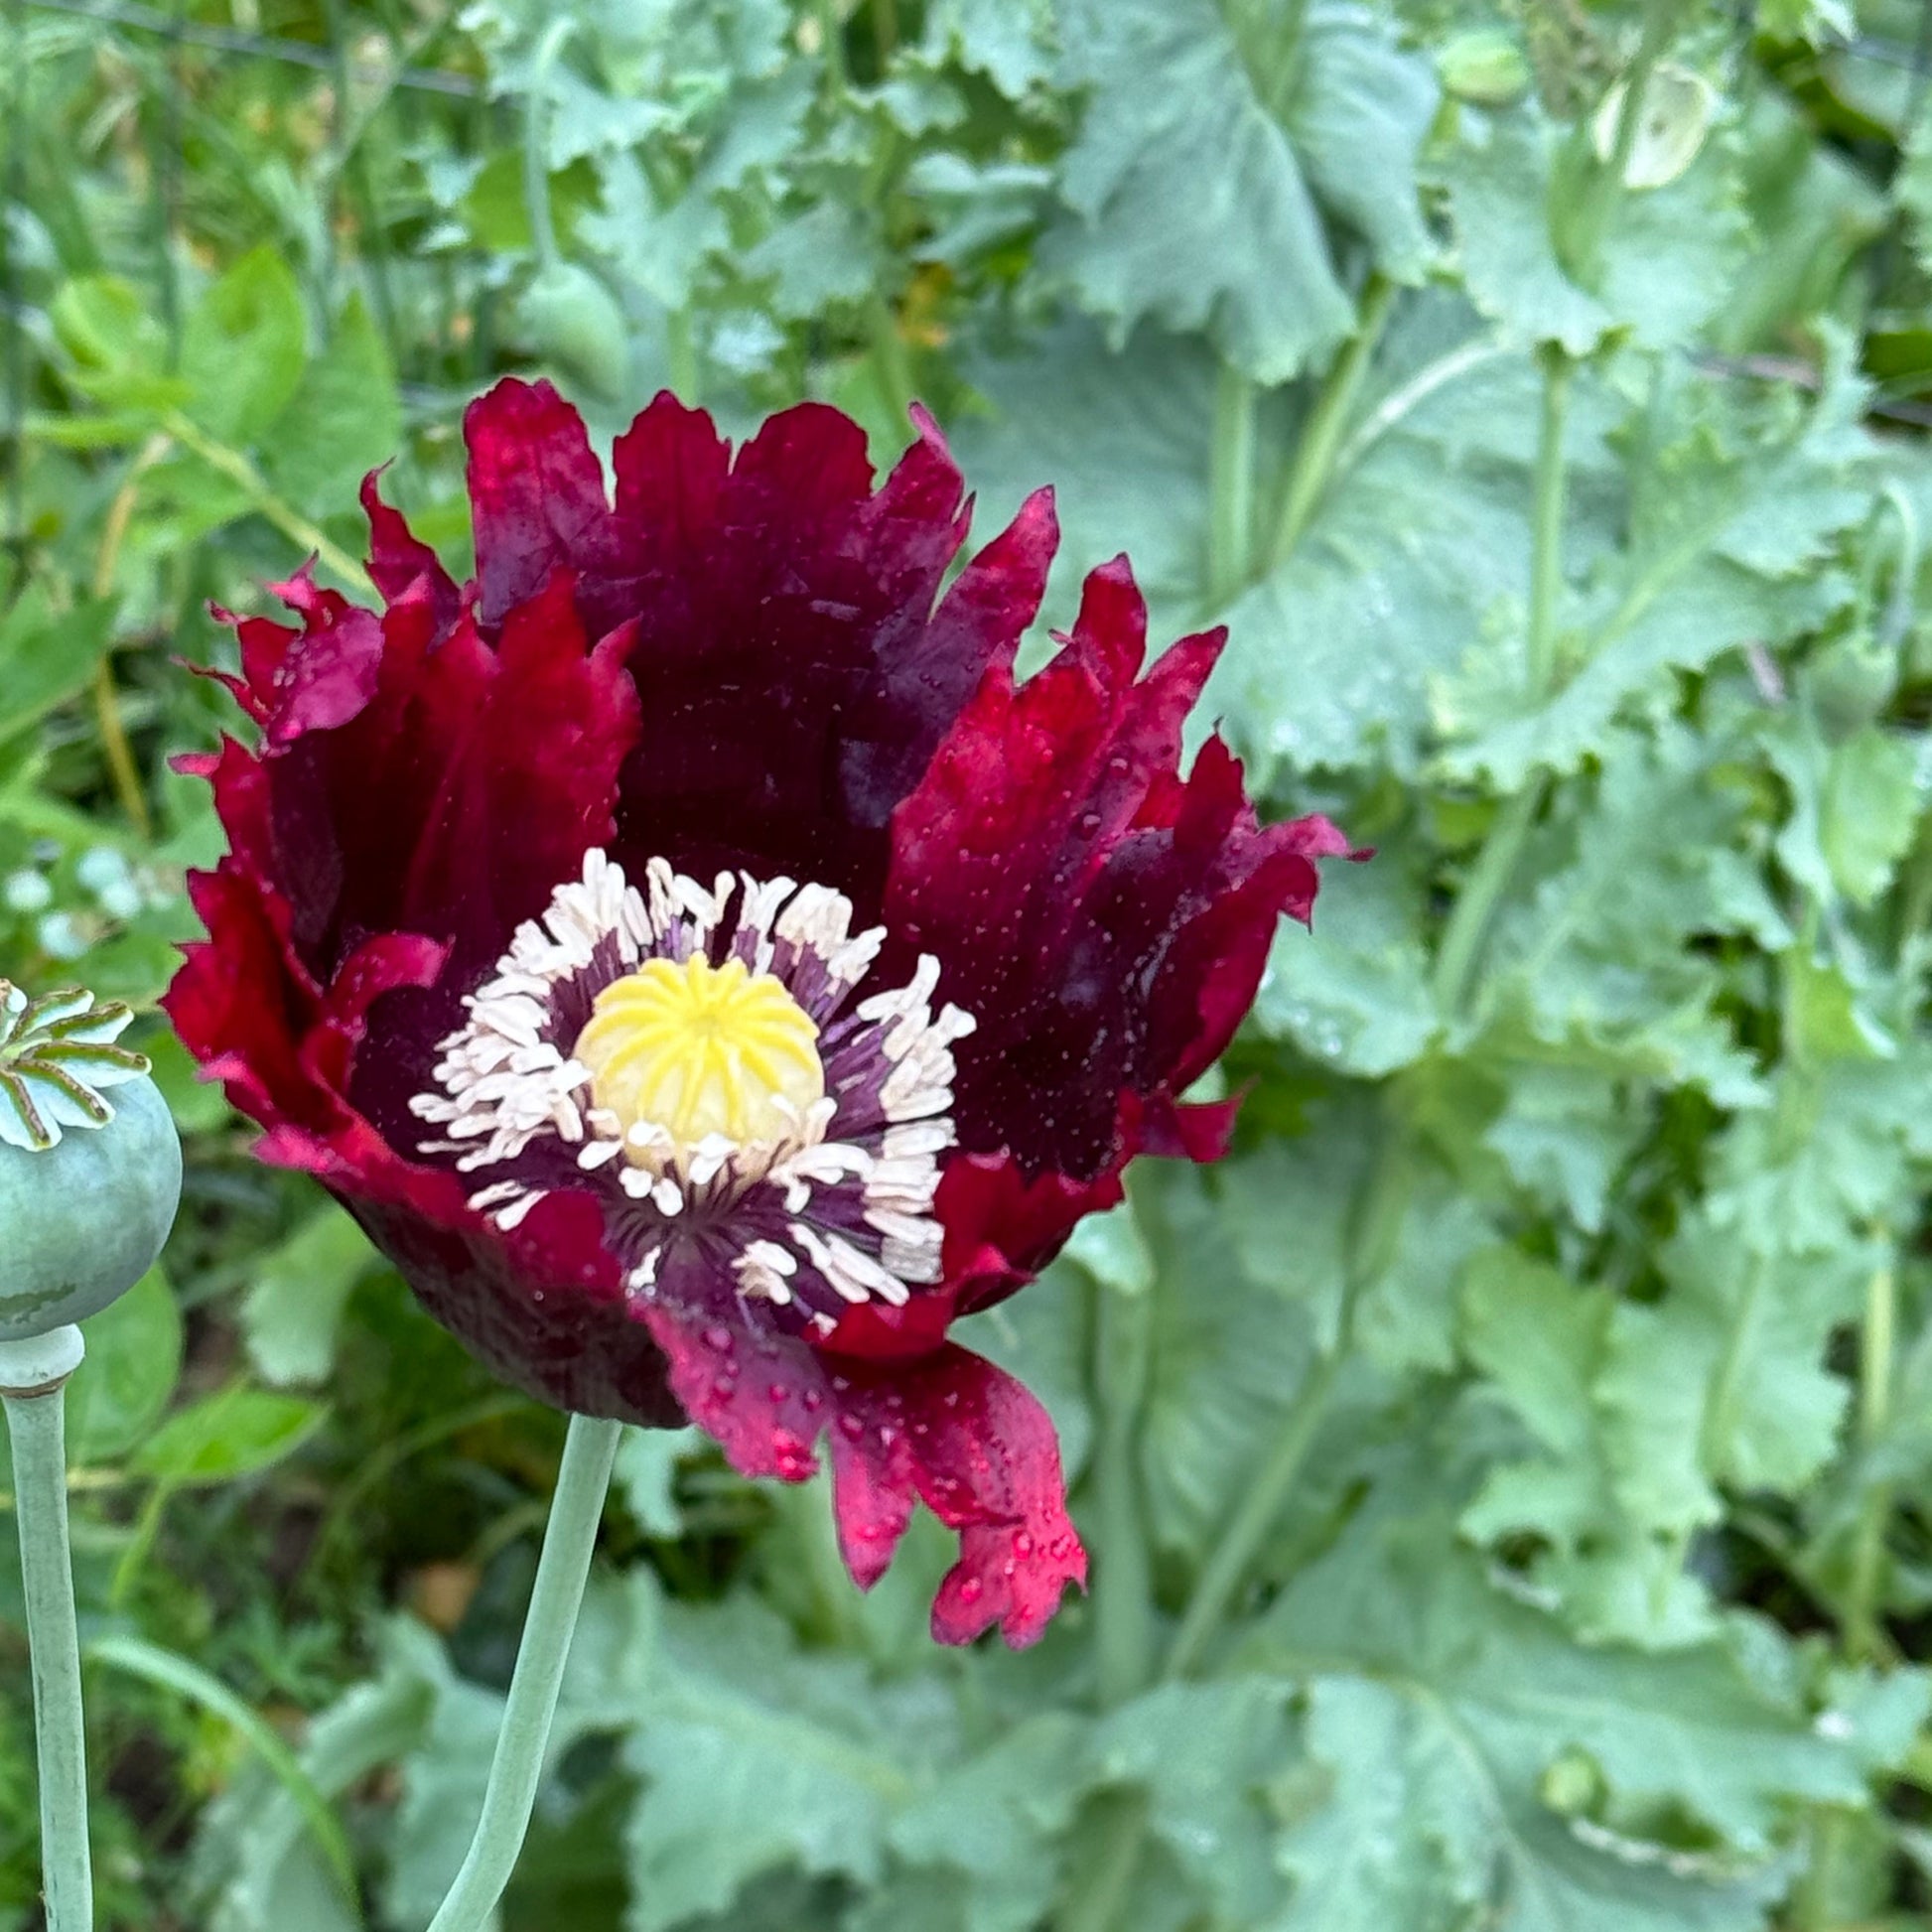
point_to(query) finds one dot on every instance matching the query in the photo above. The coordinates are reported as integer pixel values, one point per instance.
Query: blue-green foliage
(1568, 1283)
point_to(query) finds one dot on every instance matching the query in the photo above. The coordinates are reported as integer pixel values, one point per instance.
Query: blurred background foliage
(1507, 1475)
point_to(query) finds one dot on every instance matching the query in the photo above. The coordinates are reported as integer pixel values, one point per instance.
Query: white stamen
(506, 1078)
(762, 1267)
(853, 1274)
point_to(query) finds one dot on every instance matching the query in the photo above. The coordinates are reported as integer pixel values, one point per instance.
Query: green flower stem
(35, 1423)
(237, 467)
(1606, 188)
(1483, 890)
(1546, 527)
(1314, 454)
(536, 166)
(1230, 532)
(1864, 1591)
(1123, 1602)
(511, 1795)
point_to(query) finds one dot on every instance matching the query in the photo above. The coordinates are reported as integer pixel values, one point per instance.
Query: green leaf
(291, 1312)
(47, 657)
(1419, 545)
(760, 1756)
(1227, 1354)
(1730, 528)
(344, 420)
(1200, 174)
(1289, 1209)
(646, 1470)
(133, 1358)
(236, 1433)
(117, 349)
(1764, 1321)
(993, 1820)
(826, 255)
(1855, 810)
(1519, 189)
(1395, 1837)
(243, 346)
(1609, 1483)
(1354, 994)
(1008, 41)
(1206, 1754)
(1601, 960)
(1481, 1712)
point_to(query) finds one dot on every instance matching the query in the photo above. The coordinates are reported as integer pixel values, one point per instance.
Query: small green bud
(569, 317)
(88, 1186)
(1484, 66)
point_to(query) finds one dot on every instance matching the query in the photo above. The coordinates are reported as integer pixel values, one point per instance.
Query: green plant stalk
(136, 1657)
(1606, 188)
(1230, 531)
(1122, 1602)
(891, 361)
(107, 709)
(562, 1570)
(1314, 454)
(537, 168)
(1489, 880)
(36, 1426)
(235, 466)
(1229, 1563)
(1546, 529)
(1865, 1591)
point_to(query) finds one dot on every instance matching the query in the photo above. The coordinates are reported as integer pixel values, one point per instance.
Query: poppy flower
(706, 973)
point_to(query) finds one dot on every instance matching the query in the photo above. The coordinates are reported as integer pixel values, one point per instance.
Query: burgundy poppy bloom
(706, 974)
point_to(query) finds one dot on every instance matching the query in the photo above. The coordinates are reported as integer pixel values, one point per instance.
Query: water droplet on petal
(718, 1336)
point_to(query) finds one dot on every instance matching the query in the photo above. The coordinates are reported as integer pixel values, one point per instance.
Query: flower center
(698, 1051)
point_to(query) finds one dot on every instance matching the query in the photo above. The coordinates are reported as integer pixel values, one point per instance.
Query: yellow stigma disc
(698, 1050)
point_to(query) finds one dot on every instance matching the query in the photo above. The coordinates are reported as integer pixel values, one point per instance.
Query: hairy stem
(511, 1795)
(35, 1423)
(1314, 454)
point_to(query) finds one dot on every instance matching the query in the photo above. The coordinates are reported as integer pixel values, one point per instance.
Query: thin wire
(229, 40)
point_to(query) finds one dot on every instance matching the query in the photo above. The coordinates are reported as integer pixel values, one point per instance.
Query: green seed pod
(1484, 66)
(88, 1186)
(568, 317)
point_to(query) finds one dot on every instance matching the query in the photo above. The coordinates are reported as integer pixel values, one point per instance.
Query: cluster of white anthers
(836, 1184)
